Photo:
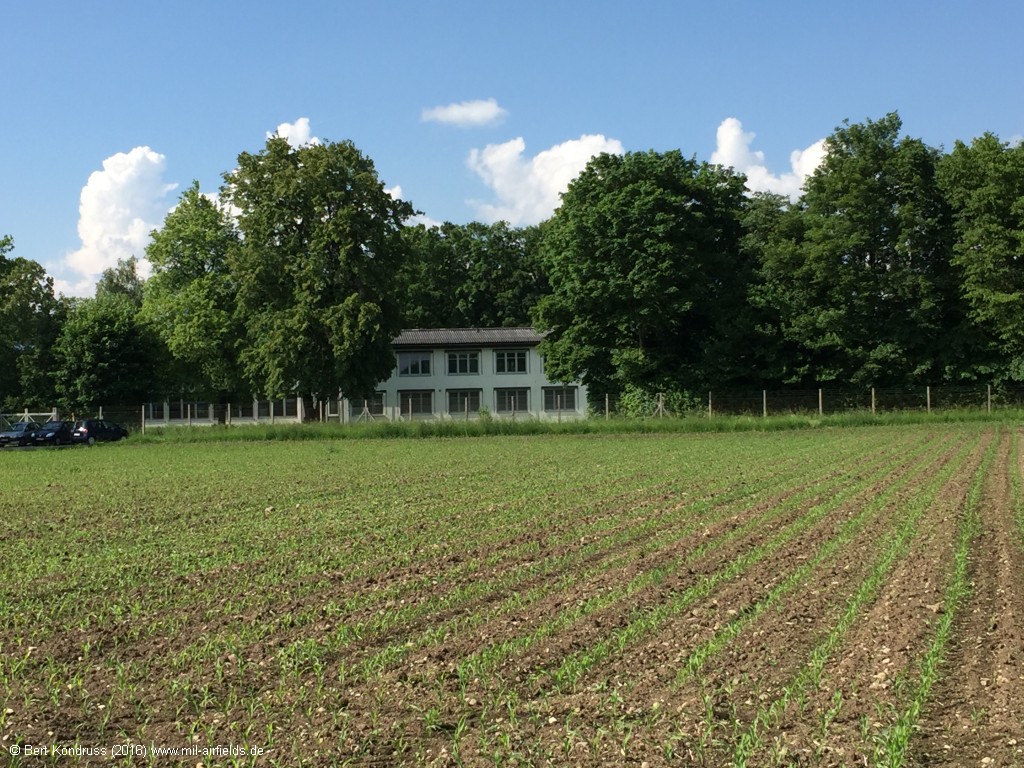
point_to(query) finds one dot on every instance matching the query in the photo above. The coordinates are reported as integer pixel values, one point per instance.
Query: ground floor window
(463, 401)
(367, 406)
(511, 399)
(559, 398)
(416, 401)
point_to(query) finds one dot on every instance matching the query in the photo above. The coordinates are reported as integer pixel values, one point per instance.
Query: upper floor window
(463, 362)
(510, 361)
(414, 363)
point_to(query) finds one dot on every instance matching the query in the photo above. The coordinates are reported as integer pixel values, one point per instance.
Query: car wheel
(57, 440)
(91, 440)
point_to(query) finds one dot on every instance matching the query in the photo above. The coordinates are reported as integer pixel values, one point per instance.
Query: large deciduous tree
(104, 355)
(472, 275)
(190, 297)
(30, 318)
(646, 273)
(316, 268)
(984, 182)
(862, 287)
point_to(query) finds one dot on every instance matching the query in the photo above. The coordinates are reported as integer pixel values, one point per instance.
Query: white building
(444, 373)
(460, 372)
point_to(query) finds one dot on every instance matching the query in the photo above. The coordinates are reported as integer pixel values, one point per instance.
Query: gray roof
(467, 337)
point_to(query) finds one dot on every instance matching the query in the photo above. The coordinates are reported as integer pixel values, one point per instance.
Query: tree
(472, 276)
(316, 269)
(773, 233)
(122, 280)
(645, 269)
(189, 300)
(984, 183)
(30, 318)
(863, 287)
(104, 355)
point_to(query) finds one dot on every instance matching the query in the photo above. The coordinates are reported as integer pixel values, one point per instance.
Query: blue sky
(112, 109)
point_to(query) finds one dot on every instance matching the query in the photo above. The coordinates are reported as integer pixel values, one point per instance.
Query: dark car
(92, 431)
(19, 434)
(53, 433)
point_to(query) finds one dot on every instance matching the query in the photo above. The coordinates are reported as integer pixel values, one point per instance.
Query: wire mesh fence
(725, 402)
(775, 402)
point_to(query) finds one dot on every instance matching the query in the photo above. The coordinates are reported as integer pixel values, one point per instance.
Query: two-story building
(459, 372)
(439, 373)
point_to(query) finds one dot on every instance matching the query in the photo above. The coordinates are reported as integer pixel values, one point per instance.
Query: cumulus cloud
(733, 150)
(298, 134)
(529, 189)
(119, 206)
(466, 114)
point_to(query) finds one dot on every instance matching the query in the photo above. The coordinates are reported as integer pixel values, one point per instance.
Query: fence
(822, 401)
(733, 402)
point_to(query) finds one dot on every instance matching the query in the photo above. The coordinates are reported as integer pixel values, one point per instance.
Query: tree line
(899, 265)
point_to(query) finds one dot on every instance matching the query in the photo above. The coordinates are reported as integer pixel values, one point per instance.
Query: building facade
(453, 373)
(439, 373)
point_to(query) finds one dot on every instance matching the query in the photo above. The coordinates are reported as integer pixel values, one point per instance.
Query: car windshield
(53, 425)
(24, 426)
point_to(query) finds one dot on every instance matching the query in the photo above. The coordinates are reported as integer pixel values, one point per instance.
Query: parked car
(19, 434)
(92, 431)
(53, 433)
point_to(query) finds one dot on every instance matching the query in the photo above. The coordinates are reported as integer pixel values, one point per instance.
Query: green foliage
(122, 280)
(315, 268)
(646, 272)
(984, 183)
(104, 355)
(30, 318)
(471, 276)
(861, 286)
(190, 297)
(638, 403)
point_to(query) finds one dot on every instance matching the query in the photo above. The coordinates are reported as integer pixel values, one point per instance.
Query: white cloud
(466, 114)
(119, 207)
(298, 134)
(733, 150)
(529, 189)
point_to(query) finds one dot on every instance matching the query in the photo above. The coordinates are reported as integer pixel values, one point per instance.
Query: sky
(471, 111)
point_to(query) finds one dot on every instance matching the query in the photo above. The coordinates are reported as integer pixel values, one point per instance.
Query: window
(416, 401)
(463, 363)
(510, 361)
(512, 399)
(414, 363)
(559, 398)
(367, 406)
(463, 400)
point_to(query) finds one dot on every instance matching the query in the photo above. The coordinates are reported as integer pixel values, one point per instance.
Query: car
(92, 431)
(19, 434)
(57, 432)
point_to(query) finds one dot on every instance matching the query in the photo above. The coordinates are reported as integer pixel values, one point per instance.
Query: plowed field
(815, 598)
